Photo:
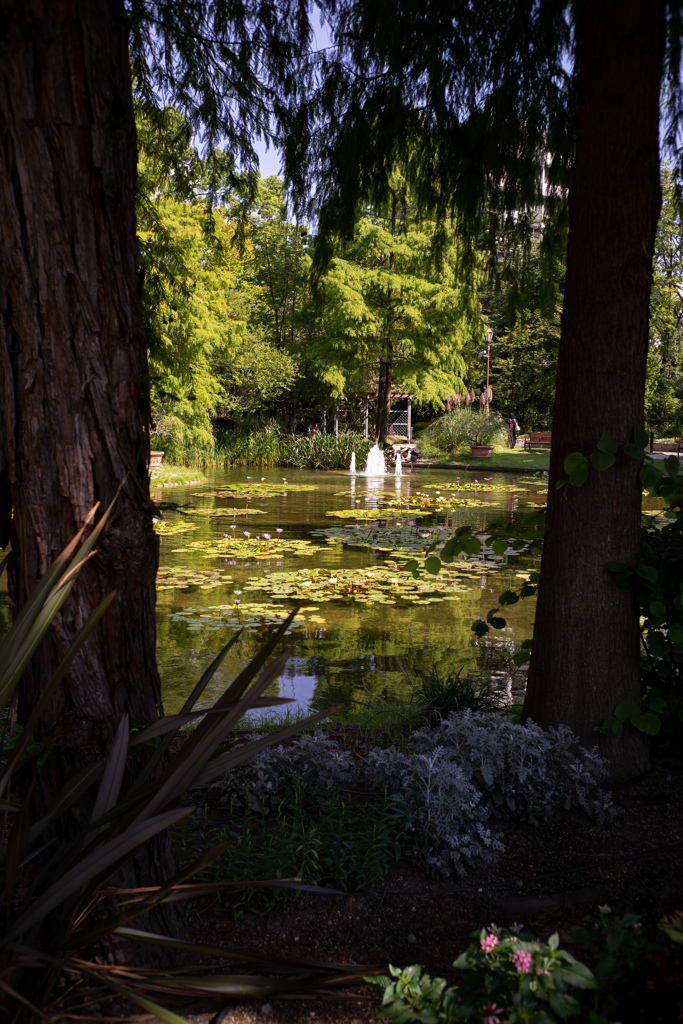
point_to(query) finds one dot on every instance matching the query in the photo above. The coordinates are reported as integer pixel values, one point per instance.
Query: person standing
(513, 427)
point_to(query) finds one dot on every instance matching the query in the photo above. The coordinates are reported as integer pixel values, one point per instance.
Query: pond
(253, 543)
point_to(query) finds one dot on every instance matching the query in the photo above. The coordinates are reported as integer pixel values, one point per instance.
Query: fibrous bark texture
(585, 654)
(73, 364)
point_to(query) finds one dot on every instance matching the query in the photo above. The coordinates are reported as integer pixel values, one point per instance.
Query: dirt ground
(549, 878)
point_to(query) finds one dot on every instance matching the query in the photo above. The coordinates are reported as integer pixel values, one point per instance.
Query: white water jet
(352, 467)
(375, 466)
(398, 464)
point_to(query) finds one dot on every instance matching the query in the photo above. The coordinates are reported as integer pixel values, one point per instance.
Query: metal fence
(400, 423)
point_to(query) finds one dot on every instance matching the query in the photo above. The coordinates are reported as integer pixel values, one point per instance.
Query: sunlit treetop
(224, 65)
(476, 100)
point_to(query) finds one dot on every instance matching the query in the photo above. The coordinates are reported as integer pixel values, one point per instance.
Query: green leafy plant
(317, 834)
(49, 893)
(503, 978)
(464, 426)
(441, 695)
(643, 717)
(577, 465)
(618, 940)
(656, 578)
(435, 695)
(672, 925)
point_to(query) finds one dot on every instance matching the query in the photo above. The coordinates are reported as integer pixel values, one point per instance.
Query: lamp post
(489, 338)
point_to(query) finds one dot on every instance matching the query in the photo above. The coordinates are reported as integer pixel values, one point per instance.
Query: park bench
(537, 440)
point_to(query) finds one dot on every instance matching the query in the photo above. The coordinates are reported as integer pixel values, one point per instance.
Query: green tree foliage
(255, 375)
(209, 356)
(199, 321)
(524, 312)
(470, 103)
(664, 385)
(394, 320)
(226, 66)
(202, 296)
(280, 265)
(487, 104)
(524, 368)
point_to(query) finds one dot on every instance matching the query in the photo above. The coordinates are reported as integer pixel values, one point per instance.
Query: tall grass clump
(463, 427)
(324, 451)
(261, 447)
(179, 453)
(267, 446)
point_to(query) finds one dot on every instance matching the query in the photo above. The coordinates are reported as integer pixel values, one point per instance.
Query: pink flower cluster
(489, 943)
(522, 961)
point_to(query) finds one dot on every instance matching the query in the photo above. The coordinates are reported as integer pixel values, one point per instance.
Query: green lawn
(508, 458)
(521, 458)
(170, 476)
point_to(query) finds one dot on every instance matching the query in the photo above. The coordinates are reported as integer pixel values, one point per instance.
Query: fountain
(398, 464)
(352, 467)
(375, 466)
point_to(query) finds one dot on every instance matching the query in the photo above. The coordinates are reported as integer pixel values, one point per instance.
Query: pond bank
(473, 467)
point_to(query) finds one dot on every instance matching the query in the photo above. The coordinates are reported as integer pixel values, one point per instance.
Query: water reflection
(353, 650)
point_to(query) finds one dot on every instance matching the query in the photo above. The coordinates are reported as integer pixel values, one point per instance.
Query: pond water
(361, 615)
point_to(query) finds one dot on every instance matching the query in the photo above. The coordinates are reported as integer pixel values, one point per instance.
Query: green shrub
(503, 978)
(462, 427)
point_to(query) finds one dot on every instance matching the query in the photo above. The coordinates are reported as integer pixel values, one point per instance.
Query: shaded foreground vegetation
(436, 781)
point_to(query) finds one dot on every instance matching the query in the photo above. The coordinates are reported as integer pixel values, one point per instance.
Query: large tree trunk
(585, 653)
(385, 409)
(73, 368)
(380, 397)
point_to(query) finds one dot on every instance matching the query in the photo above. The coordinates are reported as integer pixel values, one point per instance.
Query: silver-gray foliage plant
(458, 781)
(475, 769)
(261, 782)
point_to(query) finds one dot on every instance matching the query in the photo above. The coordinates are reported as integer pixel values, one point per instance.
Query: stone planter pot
(155, 459)
(482, 451)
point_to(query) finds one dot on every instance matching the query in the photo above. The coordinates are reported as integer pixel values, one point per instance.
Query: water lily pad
(402, 537)
(438, 501)
(168, 529)
(223, 511)
(255, 490)
(180, 579)
(482, 484)
(251, 617)
(377, 584)
(232, 545)
(372, 513)
(415, 500)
